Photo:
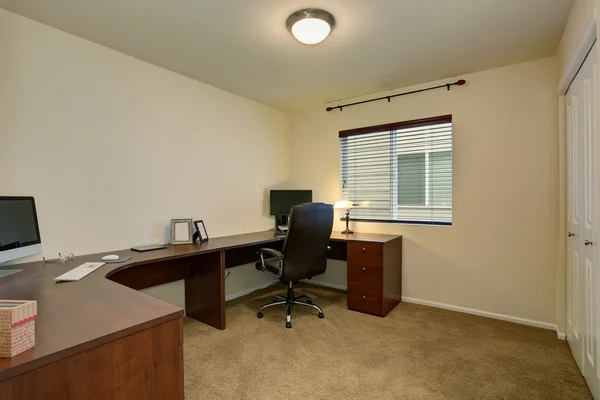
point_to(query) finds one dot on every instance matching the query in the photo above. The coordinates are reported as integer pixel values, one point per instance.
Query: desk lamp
(345, 204)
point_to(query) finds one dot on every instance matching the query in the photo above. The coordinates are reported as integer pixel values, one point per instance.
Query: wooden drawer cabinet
(374, 276)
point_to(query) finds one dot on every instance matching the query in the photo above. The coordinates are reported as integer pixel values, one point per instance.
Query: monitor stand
(281, 224)
(7, 272)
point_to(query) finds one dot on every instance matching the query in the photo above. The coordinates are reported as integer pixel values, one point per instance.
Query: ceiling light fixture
(310, 25)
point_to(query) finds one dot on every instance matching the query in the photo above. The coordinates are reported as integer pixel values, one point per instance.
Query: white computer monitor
(19, 229)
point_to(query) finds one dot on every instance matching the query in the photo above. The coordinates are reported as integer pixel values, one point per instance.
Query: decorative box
(17, 326)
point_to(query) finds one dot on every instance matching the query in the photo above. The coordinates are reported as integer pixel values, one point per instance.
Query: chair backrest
(305, 247)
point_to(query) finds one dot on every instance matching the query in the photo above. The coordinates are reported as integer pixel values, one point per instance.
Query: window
(399, 172)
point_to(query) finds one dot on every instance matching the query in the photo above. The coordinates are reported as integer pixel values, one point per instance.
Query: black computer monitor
(282, 201)
(19, 230)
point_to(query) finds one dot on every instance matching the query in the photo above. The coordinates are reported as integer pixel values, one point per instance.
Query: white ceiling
(243, 46)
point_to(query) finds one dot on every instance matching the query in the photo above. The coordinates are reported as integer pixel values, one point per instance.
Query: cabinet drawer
(365, 298)
(361, 274)
(365, 254)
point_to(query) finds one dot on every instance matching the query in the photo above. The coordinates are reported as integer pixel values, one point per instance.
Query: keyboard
(80, 272)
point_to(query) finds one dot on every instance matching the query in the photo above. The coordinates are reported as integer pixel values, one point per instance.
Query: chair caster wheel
(274, 299)
(288, 325)
(259, 315)
(308, 301)
(321, 315)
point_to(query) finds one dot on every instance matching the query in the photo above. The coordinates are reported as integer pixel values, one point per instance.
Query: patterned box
(17, 326)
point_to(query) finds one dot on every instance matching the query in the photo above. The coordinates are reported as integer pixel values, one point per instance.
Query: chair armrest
(276, 257)
(273, 252)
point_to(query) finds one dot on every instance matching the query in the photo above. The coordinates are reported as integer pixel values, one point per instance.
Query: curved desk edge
(116, 311)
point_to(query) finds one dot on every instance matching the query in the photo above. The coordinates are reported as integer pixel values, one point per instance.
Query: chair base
(290, 301)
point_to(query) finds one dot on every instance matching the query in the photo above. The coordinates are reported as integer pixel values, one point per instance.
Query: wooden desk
(98, 339)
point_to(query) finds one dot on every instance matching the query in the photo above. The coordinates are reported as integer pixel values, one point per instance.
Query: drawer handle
(364, 249)
(364, 298)
(364, 269)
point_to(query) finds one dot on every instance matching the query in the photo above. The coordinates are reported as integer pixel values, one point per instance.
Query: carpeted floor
(416, 352)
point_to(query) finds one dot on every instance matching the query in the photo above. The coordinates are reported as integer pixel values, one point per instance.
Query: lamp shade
(343, 204)
(310, 25)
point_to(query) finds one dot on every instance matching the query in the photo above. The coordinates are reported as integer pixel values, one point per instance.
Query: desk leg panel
(392, 272)
(145, 365)
(205, 289)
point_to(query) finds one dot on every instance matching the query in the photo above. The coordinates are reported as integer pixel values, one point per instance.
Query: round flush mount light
(310, 25)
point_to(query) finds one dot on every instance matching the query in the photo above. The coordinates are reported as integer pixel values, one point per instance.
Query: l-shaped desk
(98, 339)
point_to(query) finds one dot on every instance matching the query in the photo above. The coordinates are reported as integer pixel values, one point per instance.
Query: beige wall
(499, 255)
(112, 147)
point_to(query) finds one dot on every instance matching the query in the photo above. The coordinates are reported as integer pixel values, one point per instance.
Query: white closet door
(590, 226)
(583, 278)
(574, 221)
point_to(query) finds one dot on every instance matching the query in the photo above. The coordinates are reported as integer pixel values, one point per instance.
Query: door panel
(583, 279)
(590, 334)
(571, 280)
(574, 242)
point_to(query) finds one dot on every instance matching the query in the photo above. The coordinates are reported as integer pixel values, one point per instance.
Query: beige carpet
(416, 352)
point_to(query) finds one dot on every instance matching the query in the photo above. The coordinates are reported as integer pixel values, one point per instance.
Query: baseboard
(326, 284)
(481, 313)
(249, 290)
(465, 310)
(267, 284)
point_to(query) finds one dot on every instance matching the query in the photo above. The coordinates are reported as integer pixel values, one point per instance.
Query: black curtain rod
(447, 85)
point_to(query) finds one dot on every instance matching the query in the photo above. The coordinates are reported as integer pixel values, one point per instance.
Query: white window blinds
(399, 172)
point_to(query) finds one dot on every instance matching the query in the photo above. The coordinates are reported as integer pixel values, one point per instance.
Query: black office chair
(304, 254)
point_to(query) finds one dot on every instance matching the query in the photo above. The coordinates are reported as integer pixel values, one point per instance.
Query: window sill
(424, 207)
(394, 221)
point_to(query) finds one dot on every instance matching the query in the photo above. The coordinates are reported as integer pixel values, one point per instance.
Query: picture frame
(182, 231)
(200, 231)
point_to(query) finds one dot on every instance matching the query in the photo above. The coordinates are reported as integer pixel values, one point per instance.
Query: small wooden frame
(181, 231)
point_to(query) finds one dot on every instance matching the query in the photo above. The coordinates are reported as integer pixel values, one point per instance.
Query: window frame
(391, 127)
